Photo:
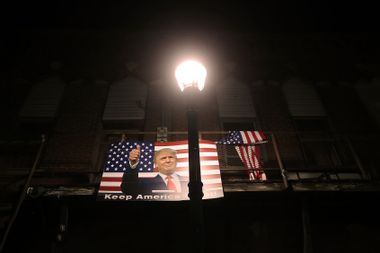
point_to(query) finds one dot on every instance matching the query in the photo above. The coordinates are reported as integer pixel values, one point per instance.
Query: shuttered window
(302, 99)
(126, 100)
(234, 100)
(43, 99)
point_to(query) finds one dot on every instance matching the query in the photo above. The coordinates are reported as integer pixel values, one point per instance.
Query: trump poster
(147, 171)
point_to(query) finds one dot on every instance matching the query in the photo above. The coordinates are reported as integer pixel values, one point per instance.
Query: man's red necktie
(170, 185)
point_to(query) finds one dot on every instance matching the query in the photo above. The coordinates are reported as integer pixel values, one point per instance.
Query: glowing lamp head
(191, 74)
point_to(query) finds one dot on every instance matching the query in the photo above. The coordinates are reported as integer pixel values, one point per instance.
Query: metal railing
(285, 159)
(22, 194)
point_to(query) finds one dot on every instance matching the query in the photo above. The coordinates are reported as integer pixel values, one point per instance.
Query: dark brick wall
(154, 107)
(12, 96)
(345, 110)
(74, 142)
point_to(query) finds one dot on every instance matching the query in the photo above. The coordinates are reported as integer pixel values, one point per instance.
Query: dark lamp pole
(191, 77)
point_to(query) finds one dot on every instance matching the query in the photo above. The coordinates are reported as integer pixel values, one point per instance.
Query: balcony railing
(289, 162)
(284, 159)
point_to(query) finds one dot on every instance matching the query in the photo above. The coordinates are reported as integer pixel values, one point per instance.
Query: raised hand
(134, 154)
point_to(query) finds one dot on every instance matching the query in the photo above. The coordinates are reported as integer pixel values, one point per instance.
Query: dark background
(90, 37)
(94, 40)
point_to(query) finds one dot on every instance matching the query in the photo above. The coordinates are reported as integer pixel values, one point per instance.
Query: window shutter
(43, 100)
(302, 99)
(234, 100)
(126, 100)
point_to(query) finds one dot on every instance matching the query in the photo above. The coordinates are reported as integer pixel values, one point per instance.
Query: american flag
(250, 156)
(118, 154)
(244, 137)
(210, 171)
(245, 144)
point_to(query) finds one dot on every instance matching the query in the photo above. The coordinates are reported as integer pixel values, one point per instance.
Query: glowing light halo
(191, 73)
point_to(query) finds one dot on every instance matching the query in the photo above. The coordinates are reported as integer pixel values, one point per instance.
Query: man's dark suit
(131, 184)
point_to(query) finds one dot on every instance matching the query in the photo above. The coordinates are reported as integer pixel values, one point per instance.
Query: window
(236, 112)
(234, 100)
(310, 122)
(321, 150)
(43, 100)
(125, 106)
(316, 144)
(41, 107)
(302, 99)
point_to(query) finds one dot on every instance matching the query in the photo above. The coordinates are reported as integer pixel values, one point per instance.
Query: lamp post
(191, 77)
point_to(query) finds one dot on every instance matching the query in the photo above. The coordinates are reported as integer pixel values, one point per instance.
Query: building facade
(314, 98)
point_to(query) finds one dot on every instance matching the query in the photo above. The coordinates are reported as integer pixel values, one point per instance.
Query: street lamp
(191, 76)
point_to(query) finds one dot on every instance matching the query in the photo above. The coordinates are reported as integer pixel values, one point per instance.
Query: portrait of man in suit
(166, 181)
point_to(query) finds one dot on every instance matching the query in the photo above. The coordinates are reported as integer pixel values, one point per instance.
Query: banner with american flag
(117, 168)
(244, 138)
(246, 146)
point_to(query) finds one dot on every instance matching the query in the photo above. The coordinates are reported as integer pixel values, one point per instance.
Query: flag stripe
(258, 136)
(204, 168)
(245, 157)
(263, 137)
(212, 181)
(202, 158)
(110, 188)
(203, 163)
(243, 137)
(184, 151)
(182, 146)
(111, 179)
(210, 172)
(204, 177)
(254, 135)
(112, 174)
(211, 186)
(201, 154)
(249, 136)
(251, 161)
(111, 183)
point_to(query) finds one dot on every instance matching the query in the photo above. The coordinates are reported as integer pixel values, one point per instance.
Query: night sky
(260, 16)
(82, 33)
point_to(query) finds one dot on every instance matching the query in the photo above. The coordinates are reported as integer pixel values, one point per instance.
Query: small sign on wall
(162, 134)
